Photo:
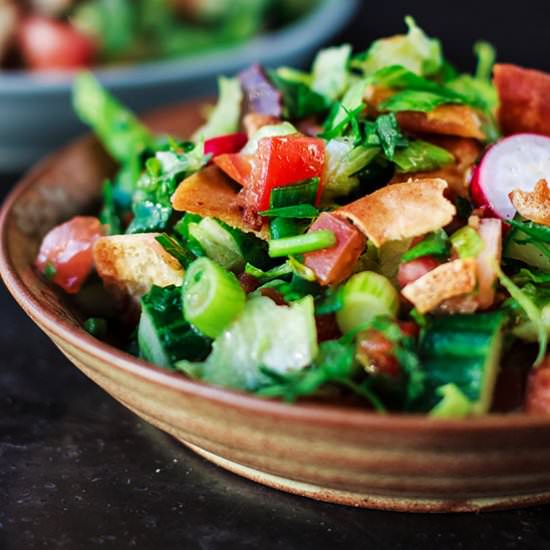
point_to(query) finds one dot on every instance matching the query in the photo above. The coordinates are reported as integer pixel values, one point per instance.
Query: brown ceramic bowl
(337, 454)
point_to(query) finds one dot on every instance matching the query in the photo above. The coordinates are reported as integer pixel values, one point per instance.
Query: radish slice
(490, 231)
(516, 162)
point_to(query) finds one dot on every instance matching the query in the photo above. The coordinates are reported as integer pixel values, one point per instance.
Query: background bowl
(36, 114)
(337, 454)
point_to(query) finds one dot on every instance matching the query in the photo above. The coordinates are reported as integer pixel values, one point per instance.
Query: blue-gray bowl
(35, 110)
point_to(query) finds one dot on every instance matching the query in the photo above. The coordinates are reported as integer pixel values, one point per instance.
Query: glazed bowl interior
(328, 452)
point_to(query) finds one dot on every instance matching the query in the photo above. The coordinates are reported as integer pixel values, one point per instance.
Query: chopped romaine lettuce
(415, 100)
(330, 71)
(421, 156)
(117, 128)
(225, 117)
(280, 339)
(343, 162)
(414, 51)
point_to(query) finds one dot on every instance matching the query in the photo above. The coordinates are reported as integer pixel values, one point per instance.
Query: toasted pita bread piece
(132, 264)
(523, 94)
(210, 193)
(450, 120)
(401, 211)
(447, 281)
(466, 152)
(533, 205)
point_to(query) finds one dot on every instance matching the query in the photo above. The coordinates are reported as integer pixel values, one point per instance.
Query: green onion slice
(301, 192)
(212, 297)
(366, 295)
(300, 244)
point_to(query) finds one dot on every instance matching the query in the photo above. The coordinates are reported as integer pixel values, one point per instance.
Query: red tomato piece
(238, 167)
(538, 389)
(67, 251)
(409, 272)
(47, 44)
(229, 143)
(282, 161)
(335, 264)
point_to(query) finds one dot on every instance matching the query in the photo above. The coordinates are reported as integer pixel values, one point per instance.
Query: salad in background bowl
(144, 70)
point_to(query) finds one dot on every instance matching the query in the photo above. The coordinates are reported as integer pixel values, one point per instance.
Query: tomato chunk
(227, 144)
(238, 167)
(47, 44)
(335, 264)
(281, 161)
(65, 255)
(538, 389)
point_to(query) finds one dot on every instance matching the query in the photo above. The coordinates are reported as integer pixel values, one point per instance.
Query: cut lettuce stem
(300, 244)
(212, 297)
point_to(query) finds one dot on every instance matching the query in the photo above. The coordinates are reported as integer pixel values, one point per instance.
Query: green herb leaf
(389, 134)
(96, 327)
(149, 217)
(108, 215)
(299, 100)
(50, 271)
(298, 211)
(435, 244)
(415, 100)
(301, 192)
(175, 249)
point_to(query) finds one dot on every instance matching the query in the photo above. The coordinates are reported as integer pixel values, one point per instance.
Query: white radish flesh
(516, 162)
(490, 231)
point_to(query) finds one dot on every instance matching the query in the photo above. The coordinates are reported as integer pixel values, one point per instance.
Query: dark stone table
(79, 471)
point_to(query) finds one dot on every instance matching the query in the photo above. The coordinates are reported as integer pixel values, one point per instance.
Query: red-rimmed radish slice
(516, 162)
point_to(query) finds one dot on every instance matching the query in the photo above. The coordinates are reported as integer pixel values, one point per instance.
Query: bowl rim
(314, 413)
(268, 46)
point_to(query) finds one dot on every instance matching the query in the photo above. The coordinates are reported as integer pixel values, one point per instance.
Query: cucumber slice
(527, 253)
(164, 337)
(463, 350)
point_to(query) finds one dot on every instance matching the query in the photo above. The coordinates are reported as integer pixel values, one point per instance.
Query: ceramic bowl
(336, 454)
(36, 114)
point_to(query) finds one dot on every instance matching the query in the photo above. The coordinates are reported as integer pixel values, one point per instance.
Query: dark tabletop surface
(79, 471)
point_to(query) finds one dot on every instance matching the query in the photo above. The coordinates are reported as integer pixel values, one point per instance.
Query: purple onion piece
(261, 96)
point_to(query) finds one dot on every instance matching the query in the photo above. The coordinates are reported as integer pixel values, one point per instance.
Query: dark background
(79, 471)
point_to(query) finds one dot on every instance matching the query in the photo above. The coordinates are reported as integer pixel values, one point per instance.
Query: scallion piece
(212, 297)
(285, 227)
(366, 295)
(300, 244)
(302, 192)
(298, 211)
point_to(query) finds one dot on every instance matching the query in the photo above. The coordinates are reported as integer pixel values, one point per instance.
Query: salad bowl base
(327, 452)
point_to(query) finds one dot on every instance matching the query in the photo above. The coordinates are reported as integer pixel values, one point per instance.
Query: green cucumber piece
(164, 337)
(463, 350)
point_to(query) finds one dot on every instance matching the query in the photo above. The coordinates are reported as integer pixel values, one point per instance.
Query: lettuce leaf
(225, 117)
(415, 100)
(421, 156)
(343, 161)
(280, 339)
(118, 129)
(330, 72)
(415, 51)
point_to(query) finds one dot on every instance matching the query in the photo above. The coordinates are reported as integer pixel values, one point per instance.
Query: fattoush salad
(373, 232)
